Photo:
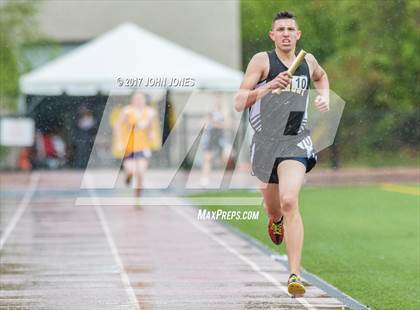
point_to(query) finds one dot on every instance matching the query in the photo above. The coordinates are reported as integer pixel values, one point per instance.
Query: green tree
(370, 51)
(16, 28)
(376, 70)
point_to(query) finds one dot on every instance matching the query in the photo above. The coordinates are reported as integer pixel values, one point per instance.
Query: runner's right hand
(280, 81)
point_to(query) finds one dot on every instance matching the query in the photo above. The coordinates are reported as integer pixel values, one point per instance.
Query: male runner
(282, 151)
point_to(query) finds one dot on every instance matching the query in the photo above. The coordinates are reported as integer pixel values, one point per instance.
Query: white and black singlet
(280, 123)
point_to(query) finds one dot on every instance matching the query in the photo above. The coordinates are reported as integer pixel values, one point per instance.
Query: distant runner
(134, 130)
(214, 140)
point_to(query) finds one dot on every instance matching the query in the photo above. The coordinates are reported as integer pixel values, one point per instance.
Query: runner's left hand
(322, 103)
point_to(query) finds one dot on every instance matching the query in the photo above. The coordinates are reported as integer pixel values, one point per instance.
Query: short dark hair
(284, 15)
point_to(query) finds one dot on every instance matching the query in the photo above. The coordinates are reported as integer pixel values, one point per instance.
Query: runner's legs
(141, 165)
(291, 176)
(270, 193)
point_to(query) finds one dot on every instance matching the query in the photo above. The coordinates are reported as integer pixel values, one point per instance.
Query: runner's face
(285, 34)
(138, 100)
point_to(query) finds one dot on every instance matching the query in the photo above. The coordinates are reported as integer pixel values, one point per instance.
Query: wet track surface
(62, 256)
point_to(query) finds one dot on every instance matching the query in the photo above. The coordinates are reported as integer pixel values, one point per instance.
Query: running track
(58, 255)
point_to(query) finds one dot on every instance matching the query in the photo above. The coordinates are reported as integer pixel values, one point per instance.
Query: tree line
(370, 50)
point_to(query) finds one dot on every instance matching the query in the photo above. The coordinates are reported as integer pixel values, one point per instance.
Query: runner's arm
(321, 83)
(122, 118)
(247, 95)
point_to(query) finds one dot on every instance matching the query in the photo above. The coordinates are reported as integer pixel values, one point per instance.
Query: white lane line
(33, 183)
(252, 264)
(124, 277)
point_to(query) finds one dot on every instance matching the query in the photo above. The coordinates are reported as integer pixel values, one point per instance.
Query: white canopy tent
(125, 52)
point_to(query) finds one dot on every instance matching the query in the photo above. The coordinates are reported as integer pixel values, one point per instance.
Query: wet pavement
(57, 255)
(57, 258)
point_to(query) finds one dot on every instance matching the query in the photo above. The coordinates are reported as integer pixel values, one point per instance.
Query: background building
(211, 28)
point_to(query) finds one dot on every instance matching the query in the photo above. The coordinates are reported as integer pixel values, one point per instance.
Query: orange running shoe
(276, 231)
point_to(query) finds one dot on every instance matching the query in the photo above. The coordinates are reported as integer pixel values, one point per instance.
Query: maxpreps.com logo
(219, 214)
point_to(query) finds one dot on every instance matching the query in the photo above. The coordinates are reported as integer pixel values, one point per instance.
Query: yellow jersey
(139, 124)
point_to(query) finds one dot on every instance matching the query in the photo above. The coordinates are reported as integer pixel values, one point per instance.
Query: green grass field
(363, 240)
